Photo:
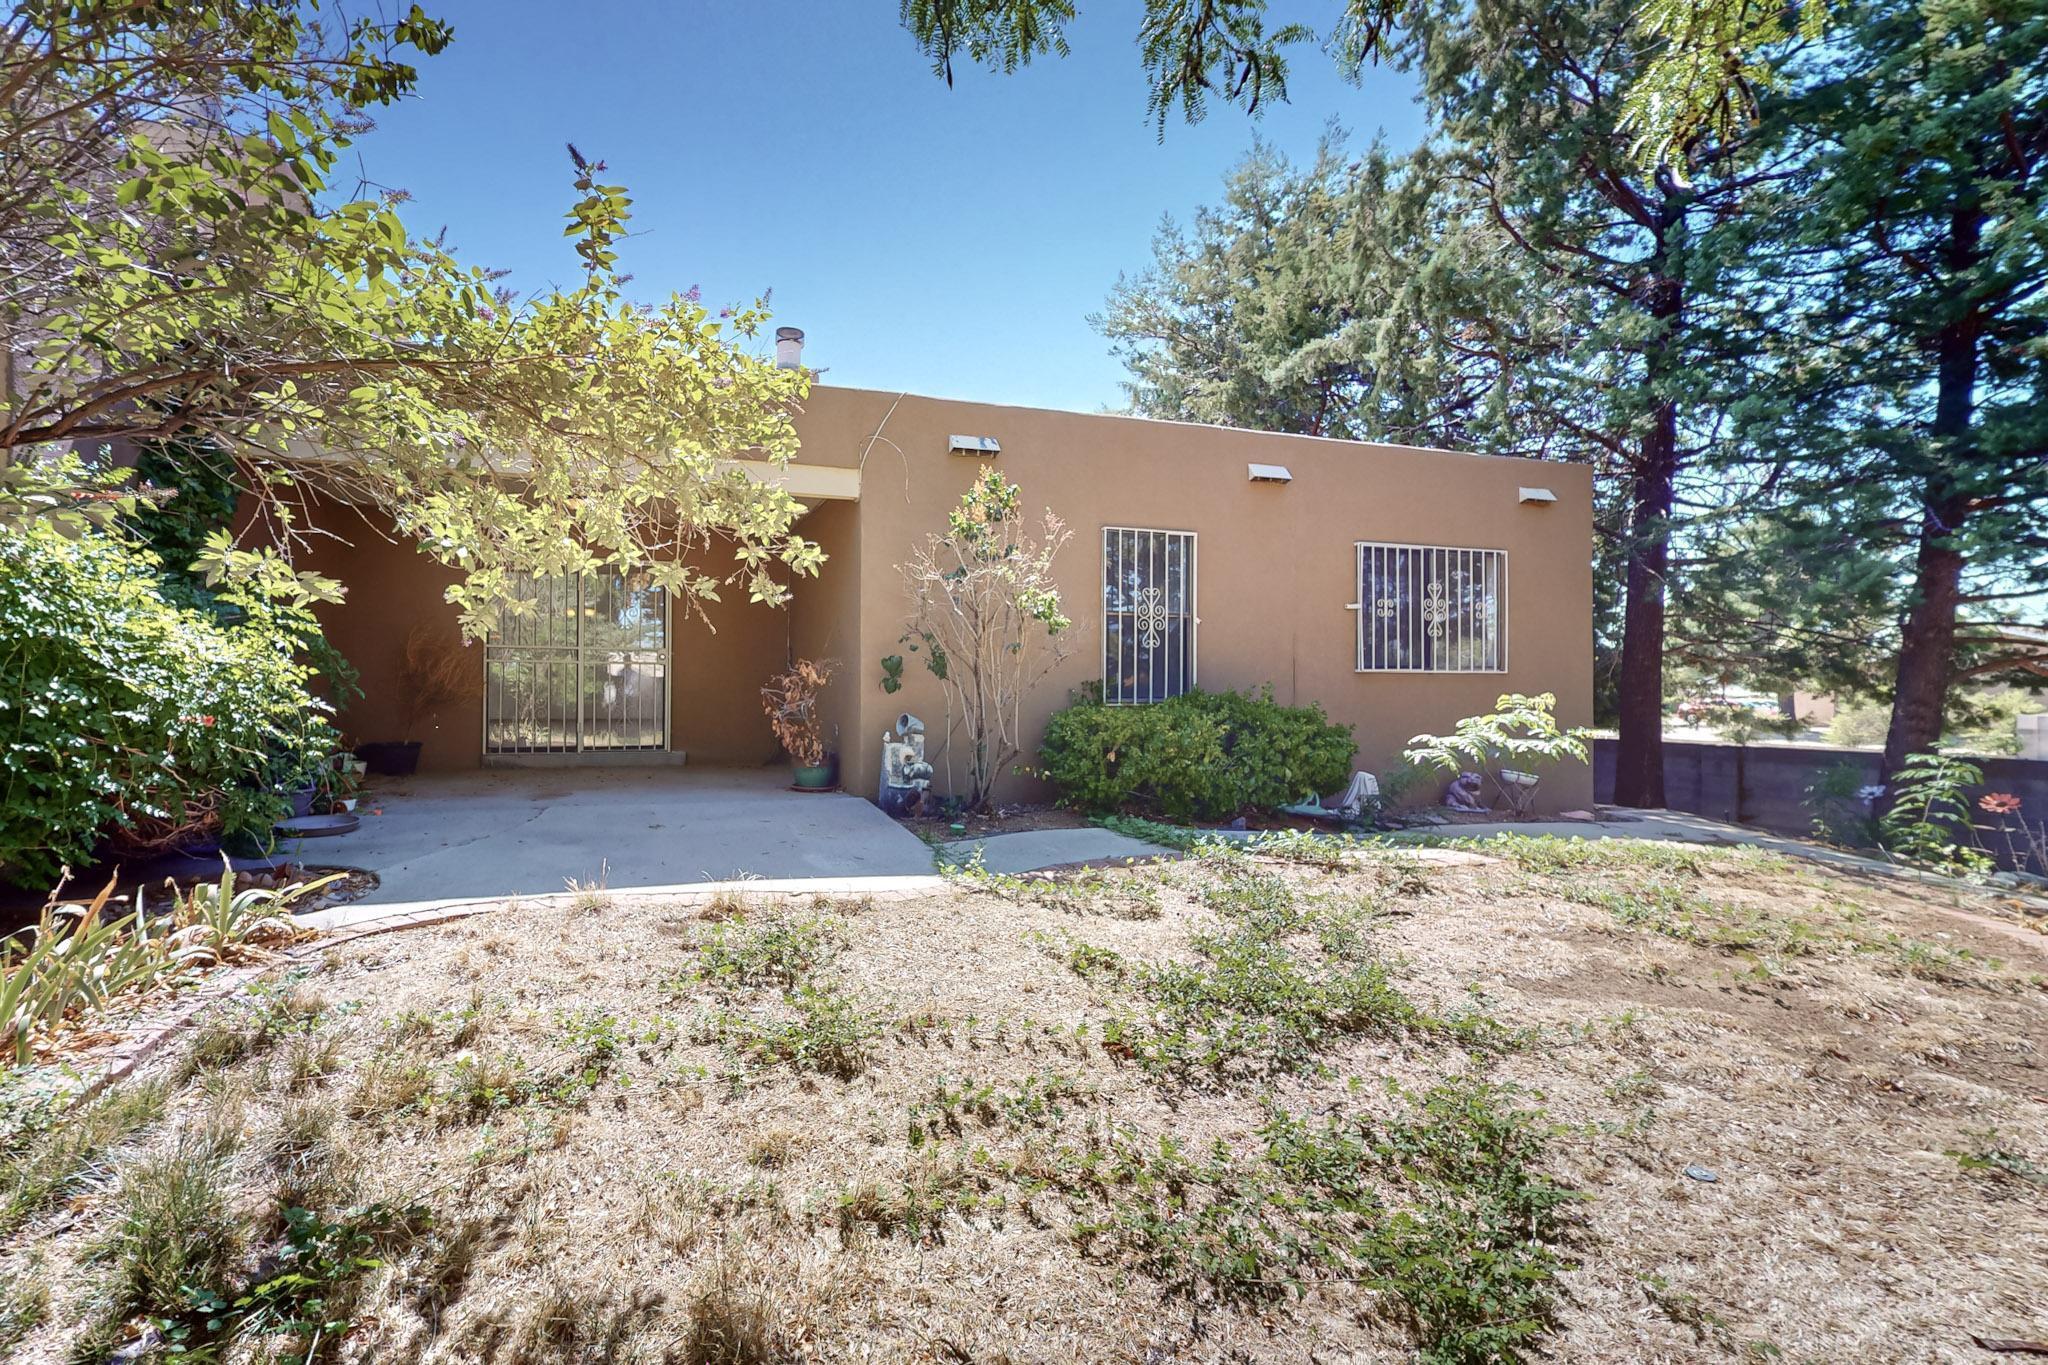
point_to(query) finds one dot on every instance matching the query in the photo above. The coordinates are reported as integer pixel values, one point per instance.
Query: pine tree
(1908, 349)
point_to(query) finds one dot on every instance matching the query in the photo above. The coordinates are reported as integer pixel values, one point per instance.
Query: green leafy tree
(1904, 352)
(985, 612)
(1710, 58)
(176, 266)
(1599, 277)
(1365, 300)
(1713, 66)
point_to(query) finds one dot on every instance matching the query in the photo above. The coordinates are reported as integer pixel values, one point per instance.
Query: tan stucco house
(1400, 588)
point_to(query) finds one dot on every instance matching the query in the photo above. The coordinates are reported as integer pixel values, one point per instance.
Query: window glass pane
(1148, 614)
(1430, 609)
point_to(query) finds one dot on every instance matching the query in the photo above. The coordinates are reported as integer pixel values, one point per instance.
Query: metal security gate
(581, 667)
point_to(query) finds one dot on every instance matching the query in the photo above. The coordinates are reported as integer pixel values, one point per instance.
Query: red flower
(1999, 803)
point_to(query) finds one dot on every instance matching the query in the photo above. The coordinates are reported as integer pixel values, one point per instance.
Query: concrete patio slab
(525, 832)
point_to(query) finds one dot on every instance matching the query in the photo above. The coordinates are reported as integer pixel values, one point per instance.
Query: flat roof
(905, 394)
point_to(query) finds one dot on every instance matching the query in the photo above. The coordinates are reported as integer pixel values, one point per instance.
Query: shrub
(1521, 733)
(129, 715)
(1201, 755)
(986, 612)
(1840, 798)
(791, 701)
(1928, 820)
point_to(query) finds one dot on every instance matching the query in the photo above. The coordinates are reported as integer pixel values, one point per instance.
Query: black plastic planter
(391, 758)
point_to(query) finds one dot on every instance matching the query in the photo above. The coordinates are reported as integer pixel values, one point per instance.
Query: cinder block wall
(1765, 784)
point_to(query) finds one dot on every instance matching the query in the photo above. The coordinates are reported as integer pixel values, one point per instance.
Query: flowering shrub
(126, 716)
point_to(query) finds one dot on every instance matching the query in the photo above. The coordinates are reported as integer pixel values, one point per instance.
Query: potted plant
(338, 782)
(435, 673)
(791, 700)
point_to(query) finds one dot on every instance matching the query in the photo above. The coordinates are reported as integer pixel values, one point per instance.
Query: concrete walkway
(1035, 850)
(531, 831)
(1039, 849)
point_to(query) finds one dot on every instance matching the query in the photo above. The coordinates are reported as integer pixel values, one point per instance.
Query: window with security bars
(1431, 609)
(1148, 614)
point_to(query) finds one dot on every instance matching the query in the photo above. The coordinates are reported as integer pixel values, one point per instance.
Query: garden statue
(906, 777)
(1463, 793)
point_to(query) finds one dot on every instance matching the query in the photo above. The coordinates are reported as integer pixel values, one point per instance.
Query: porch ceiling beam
(810, 481)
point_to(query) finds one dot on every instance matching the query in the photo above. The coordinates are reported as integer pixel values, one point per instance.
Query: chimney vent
(789, 348)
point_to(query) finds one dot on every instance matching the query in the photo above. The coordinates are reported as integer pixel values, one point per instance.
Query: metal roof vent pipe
(789, 348)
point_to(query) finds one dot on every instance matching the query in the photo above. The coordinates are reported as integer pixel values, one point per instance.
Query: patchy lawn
(1600, 1102)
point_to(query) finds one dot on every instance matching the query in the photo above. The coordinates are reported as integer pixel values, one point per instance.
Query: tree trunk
(1639, 699)
(1927, 648)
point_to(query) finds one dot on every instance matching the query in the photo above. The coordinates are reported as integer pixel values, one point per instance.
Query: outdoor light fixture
(973, 445)
(1537, 495)
(1271, 473)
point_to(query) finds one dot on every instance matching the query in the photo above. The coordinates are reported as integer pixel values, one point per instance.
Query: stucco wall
(720, 662)
(1275, 562)
(825, 620)
(1275, 567)
(392, 588)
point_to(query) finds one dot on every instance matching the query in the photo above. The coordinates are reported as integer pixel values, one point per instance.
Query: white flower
(1871, 792)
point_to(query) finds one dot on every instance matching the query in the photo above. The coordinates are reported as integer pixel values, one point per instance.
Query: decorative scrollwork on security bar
(1151, 616)
(1436, 609)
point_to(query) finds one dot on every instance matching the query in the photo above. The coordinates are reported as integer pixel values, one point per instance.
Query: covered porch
(595, 675)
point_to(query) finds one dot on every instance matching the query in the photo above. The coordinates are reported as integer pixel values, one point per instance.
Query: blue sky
(949, 242)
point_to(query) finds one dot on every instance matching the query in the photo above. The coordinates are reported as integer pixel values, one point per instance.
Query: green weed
(830, 1033)
(773, 952)
(1990, 1157)
(1255, 999)
(49, 1164)
(1034, 1102)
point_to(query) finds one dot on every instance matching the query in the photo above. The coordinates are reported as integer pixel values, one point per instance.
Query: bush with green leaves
(1927, 822)
(1198, 756)
(1521, 733)
(129, 715)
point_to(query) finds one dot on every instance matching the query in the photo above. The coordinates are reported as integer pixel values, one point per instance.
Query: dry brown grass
(615, 1172)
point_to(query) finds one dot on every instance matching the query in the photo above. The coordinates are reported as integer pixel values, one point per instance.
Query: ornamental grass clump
(75, 961)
